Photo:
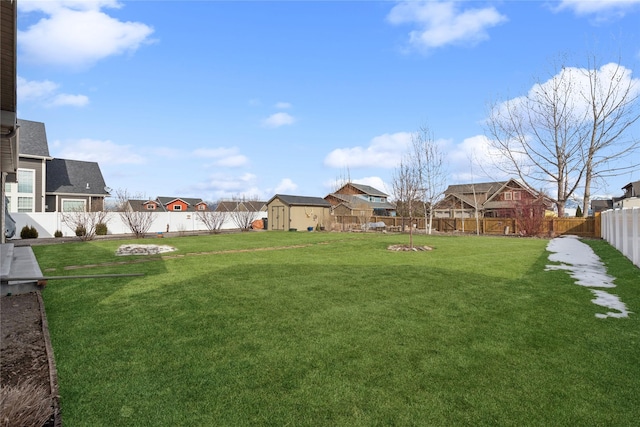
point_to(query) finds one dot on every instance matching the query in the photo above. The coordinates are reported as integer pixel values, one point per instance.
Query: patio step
(20, 270)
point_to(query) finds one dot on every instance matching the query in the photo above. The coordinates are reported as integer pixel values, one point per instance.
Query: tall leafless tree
(407, 189)
(611, 96)
(570, 128)
(539, 136)
(428, 161)
(139, 222)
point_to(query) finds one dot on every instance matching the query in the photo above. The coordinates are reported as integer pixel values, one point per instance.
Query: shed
(286, 212)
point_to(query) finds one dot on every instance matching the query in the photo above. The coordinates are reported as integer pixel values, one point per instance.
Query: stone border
(53, 373)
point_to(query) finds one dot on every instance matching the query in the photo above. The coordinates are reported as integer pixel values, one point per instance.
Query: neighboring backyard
(333, 329)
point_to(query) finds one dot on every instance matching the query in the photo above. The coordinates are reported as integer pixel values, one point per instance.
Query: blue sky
(216, 99)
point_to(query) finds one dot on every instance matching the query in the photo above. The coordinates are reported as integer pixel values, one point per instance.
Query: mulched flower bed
(26, 356)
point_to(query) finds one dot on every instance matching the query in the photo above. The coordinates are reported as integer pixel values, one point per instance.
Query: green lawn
(328, 329)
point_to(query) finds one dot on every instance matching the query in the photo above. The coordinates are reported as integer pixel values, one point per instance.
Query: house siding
(38, 166)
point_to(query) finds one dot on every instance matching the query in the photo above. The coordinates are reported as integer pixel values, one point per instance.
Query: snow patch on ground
(144, 249)
(588, 270)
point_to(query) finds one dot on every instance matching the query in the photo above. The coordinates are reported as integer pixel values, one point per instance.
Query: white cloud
(91, 150)
(600, 9)
(278, 119)
(52, 6)
(71, 100)
(77, 33)
(285, 186)
(46, 93)
(473, 161)
(223, 157)
(384, 151)
(225, 186)
(443, 23)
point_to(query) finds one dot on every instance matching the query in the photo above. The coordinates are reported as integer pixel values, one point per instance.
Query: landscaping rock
(144, 249)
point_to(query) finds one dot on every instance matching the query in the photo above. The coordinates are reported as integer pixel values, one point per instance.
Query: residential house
(143, 205)
(74, 185)
(45, 184)
(601, 205)
(631, 197)
(241, 206)
(287, 212)
(182, 204)
(354, 199)
(489, 199)
(168, 204)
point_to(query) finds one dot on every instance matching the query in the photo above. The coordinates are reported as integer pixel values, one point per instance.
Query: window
(517, 195)
(507, 195)
(201, 207)
(177, 207)
(151, 206)
(25, 204)
(73, 205)
(26, 180)
(22, 195)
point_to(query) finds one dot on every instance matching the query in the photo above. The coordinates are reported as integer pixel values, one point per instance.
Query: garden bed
(27, 369)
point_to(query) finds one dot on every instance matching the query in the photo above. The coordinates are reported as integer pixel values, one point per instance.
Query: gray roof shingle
(33, 139)
(74, 177)
(301, 200)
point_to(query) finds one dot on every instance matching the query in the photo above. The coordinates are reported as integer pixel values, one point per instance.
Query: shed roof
(301, 200)
(74, 177)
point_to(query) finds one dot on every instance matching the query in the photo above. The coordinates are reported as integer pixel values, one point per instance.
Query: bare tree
(539, 136)
(211, 219)
(428, 160)
(84, 223)
(407, 189)
(242, 216)
(342, 180)
(572, 127)
(138, 221)
(612, 99)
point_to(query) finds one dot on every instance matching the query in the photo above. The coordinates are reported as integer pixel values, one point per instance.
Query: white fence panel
(47, 223)
(621, 228)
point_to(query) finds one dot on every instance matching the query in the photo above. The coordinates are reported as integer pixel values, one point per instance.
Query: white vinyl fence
(621, 228)
(48, 223)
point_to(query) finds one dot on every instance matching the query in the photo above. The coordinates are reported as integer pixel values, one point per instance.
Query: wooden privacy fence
(583, 227)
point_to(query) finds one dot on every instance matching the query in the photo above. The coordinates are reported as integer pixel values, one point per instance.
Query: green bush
(81, 231)
(58, 233)
(101, 229)
(29, 232)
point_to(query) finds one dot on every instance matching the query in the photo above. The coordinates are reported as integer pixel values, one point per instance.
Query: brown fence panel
(584, 227)
(498, 226)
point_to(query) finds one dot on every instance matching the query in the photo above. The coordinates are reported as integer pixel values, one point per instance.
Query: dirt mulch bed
(26, 355)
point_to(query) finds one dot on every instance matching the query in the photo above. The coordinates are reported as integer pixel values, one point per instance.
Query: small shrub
(81, 231)
(101, 229)
(58, 233)
(28, 232)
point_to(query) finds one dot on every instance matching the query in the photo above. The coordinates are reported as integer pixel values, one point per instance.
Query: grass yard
(328, 329)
